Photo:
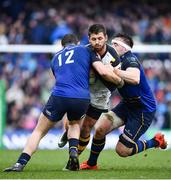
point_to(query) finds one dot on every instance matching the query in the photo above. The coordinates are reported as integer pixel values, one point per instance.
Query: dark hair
(96, 28)
(69, 39)
(126, 38)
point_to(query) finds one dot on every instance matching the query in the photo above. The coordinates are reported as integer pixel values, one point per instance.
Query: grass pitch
(48, 164)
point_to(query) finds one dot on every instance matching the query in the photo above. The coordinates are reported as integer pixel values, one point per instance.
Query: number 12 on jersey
(68, 58)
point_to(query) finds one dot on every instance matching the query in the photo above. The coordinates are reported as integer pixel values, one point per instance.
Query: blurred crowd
(28, 84)
(26, 75)
(45, 22)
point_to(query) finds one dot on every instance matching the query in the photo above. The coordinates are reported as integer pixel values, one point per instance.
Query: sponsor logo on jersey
(48, 112)
(113, 60)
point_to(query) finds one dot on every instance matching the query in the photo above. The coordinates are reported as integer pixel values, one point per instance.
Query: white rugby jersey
(99, 93)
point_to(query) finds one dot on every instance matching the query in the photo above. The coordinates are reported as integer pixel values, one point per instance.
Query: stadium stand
(45, 22)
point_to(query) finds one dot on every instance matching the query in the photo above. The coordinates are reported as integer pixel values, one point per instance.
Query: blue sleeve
(131, 62)
(93, 55)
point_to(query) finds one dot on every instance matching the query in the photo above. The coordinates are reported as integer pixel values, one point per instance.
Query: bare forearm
(110, 76)
(106, 71)
(130, 76)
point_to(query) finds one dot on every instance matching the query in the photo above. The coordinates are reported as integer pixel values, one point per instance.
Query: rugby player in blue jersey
(136, 109)
(70, 95)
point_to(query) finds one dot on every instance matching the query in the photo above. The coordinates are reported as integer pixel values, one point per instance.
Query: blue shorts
(136, 121)
(57, 106)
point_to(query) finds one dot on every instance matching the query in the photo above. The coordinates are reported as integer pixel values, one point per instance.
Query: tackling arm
(131, 75)
(106, 71)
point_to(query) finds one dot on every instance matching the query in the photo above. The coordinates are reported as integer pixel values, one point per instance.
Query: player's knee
(124, 147)
(121, 150)
(99, 132)
(108, 115)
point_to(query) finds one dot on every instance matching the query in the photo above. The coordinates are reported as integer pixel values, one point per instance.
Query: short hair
(69, 39)
(126, 38)
(96, 28)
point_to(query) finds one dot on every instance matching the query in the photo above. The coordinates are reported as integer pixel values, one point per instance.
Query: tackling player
(136, 109)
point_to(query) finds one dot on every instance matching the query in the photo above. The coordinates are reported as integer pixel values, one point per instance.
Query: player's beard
(99, 48)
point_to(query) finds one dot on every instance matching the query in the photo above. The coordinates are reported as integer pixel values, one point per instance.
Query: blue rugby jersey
(137, 95)
(71, 67)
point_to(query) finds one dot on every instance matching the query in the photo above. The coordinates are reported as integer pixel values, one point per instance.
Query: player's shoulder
(129, 56)
(130, 60)
(76, 47)
(89, 47)
(56, 55)
(110, 49)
